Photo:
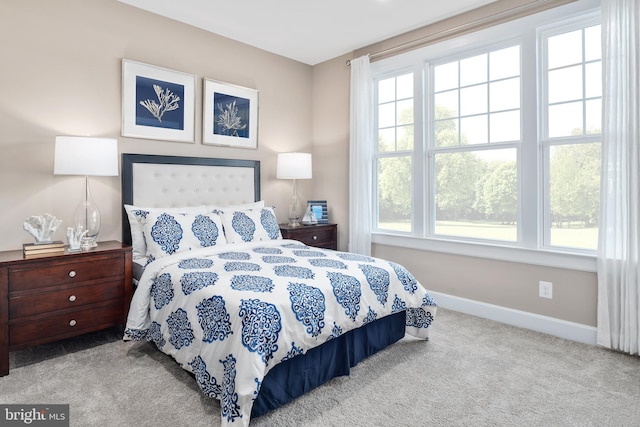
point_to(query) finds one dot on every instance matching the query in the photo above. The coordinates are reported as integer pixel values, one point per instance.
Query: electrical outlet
(546, 290)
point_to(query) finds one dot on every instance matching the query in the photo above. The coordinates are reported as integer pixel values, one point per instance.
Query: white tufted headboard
(172, 181)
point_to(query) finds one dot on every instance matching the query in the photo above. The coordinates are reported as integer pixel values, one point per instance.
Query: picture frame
(320, 211)
(157, 103)
(229, 115)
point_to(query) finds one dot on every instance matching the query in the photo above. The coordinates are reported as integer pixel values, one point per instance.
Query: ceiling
(306, 31)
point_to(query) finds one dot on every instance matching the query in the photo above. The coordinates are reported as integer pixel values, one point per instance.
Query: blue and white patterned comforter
(228, 314)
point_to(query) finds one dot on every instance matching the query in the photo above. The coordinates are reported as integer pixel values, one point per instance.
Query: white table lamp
(294, 166)
(86, 156)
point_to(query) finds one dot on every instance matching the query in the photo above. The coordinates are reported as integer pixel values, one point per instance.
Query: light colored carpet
(473, 372)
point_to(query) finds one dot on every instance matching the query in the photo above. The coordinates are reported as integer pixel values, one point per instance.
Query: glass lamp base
(294, 207)
(87, 217)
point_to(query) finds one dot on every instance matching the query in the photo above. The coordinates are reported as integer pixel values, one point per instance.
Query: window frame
(529, 247)
(432, 149)
(543, 33)
(377, 155)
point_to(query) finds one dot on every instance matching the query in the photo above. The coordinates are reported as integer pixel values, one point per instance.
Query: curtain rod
(491, 19)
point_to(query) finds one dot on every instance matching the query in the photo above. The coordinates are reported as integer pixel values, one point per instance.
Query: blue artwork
(231, 115)
(159, 104)
(317, 211)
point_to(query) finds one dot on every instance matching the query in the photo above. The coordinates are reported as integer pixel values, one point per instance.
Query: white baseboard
(536, 322)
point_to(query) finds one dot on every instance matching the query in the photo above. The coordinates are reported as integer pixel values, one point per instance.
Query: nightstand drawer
(316, 237)
(40, 329)
(319, 235)
(70, 297)
(51, 274)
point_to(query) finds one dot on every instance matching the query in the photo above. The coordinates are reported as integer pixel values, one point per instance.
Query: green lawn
(583, 238)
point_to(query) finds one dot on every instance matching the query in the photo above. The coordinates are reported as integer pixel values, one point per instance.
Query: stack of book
(33, 250)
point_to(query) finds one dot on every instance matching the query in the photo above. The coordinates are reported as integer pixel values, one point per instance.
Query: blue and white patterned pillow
(250, 225)
(167, 233)
(137, 216)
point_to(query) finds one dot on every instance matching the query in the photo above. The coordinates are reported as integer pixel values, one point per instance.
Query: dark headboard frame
(128, 160)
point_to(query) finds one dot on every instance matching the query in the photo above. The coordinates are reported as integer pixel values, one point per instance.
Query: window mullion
(418, 178)
(529, 156)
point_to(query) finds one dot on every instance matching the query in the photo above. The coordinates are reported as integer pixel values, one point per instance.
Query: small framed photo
(157, 103)
(319, 209)
(230, 115)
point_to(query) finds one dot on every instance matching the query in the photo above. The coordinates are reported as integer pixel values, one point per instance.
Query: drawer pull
(72, 322)
(72, 273)
(72, 298)
(315, 237)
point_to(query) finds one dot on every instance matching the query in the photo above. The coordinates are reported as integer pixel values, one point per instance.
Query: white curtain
(618, 252)
(360, 156)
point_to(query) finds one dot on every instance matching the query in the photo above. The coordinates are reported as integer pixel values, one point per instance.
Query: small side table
(62, 295)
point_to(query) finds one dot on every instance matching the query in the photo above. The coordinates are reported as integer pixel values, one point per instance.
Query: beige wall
(502, 283)
(61, 75)
(331, 141)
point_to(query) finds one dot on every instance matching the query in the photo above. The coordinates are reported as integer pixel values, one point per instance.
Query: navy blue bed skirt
(336, 357)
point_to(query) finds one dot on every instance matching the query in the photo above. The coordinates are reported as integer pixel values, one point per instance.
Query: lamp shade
(75, 155)
(294, 166)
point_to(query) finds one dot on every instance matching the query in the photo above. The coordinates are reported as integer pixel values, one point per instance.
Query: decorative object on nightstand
(294, 166)
(320, 210)
(318, 235)
(88, 157)
(33, 250)
(309, 217)
(41, 227)
(75, 237)
(62, 295)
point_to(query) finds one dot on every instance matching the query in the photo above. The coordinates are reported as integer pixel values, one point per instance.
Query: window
(476, 135)
(573, 108)
(494, 139)
(395, 149)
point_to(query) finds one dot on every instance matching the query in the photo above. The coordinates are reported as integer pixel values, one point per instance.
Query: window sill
(543, 257)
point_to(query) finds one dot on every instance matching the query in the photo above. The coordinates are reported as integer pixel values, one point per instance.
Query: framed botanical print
(157, 103)
(230, 115)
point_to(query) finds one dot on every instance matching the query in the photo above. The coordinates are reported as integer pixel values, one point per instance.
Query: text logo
(34, 415)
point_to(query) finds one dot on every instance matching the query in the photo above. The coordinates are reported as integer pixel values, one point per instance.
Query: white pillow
(250, 225)
(137, 216)
(170, 233)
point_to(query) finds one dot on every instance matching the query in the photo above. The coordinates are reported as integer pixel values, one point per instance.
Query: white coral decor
(42, 227)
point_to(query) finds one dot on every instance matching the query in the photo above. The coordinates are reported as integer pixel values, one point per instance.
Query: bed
(258, 320)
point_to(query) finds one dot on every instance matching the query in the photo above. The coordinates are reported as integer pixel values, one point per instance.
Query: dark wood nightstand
(62, 295)
(318, 235)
